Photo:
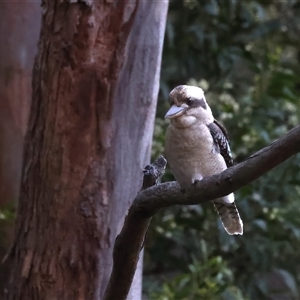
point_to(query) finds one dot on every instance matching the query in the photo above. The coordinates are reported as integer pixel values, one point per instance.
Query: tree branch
(126, 258)
(149, 201)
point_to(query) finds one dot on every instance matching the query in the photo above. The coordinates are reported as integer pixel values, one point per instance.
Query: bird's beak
(175, 111)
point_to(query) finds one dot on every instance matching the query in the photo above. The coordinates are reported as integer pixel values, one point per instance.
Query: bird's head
(188, 105)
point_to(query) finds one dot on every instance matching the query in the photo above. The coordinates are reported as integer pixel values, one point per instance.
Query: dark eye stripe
(196, 103)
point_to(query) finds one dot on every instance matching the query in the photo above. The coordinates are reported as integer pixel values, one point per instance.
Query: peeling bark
(95, 84)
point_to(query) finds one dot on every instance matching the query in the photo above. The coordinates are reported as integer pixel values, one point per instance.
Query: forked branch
(149, 200)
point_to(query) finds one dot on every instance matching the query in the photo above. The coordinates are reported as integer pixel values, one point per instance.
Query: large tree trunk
(19, 31)
(94, 97)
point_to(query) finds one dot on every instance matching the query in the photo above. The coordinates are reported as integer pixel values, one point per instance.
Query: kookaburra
(197, 146)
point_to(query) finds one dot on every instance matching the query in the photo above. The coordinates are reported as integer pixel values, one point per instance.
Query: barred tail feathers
(230, 217)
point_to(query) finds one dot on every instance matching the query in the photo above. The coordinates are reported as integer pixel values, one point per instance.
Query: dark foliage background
(246, 56)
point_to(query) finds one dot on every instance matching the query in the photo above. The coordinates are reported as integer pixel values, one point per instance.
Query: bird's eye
(189, 101)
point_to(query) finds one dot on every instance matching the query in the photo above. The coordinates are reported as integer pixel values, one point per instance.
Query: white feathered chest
(191, 154)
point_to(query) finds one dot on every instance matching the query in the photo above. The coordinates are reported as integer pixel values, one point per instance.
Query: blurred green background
(246, 56)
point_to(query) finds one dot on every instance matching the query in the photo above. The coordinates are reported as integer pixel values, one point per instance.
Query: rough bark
(149, 201)
(19, 31)
(94, 97)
